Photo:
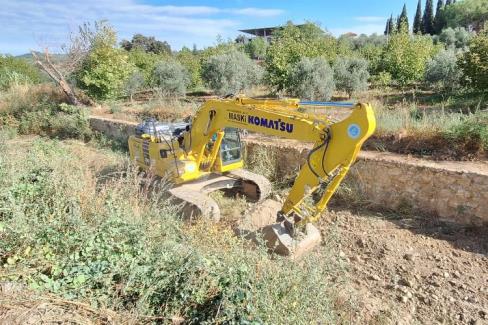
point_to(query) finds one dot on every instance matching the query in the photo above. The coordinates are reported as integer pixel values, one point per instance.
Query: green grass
(74, 222)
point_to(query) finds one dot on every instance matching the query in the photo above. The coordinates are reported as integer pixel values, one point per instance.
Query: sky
(35, 24)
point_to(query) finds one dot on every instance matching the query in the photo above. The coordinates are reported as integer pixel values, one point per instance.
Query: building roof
(263, 31)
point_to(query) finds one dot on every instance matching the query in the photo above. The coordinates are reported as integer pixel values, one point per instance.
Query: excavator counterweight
(206, 155)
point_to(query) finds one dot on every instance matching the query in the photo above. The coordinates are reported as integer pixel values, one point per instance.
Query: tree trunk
(58, 78)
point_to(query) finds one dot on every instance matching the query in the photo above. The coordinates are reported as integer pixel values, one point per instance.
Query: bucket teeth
(279, 240)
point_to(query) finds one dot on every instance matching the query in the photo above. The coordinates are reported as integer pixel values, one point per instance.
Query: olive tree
(170, 78)
(313, 79)
(230, 73)
(443, 70)
(351, 74)
(134, 83)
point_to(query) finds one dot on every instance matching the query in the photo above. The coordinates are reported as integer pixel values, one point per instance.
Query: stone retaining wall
(456, 191)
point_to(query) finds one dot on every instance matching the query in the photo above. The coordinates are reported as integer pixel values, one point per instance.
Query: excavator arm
(336, 145)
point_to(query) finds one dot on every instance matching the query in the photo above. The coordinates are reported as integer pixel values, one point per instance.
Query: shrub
(405, 57)
(382, 79)
(443, 71)
(256, 48)
(351, 75)
(43, 110)
(17, 71)
(312, 79)
(105, 69)
(231, 73)
(472, 131)
(457, 38)
(144, 62)
(289, 46)
(134, 83)
(104, 241)
(191, 61)
(474, 62)
(171, 78)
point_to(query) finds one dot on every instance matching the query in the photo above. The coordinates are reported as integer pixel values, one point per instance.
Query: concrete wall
(456, 191)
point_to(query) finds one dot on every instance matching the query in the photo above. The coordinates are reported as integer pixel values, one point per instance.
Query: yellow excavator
(206, 154)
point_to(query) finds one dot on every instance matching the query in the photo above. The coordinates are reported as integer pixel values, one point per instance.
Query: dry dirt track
(411, 271)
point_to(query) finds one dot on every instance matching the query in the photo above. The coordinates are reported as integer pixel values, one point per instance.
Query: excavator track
(196, 202)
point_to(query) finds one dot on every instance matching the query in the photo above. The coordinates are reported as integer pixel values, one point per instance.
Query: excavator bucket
(260, 225)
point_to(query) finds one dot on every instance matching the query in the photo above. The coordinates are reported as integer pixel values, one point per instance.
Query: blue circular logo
(354, 131)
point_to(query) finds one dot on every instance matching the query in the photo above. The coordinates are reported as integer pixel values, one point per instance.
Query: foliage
(382, 79)
(147, 44)
(474, 62)
(144, 62)
(256, 48)
(417, 23)
(313, 79)
(439, 19)
(351, 75)
(292, 43)
(134, 83)
(405, 57)
(17, 71)
(457, 37)
(443, 70)
(171, 78)
(104, 241)
(192, 62)
(403, 20)
(43, 110)
(471, 131)
(231, 73)
(467, 13)
(428, 19)
(105, 69)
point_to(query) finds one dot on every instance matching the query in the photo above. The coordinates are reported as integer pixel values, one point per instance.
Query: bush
(171, 78)
(191, 61)
(43, 110)
(144, 62)
(406, 56)
(256, 48)
(351, 75)
(312, 79)
(134, 83)
(289, 46)
(106, 68)
(471, 131)
(231, 73)
(382, 79)
(455, 38)
(443, 71)
(474, 62)
(104, 241)
(16, 71)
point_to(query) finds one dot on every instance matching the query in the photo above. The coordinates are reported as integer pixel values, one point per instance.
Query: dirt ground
(412, 270)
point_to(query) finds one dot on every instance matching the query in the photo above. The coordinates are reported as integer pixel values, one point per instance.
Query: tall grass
(87, 231)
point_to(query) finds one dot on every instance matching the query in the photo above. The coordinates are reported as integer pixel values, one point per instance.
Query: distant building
(265, 32)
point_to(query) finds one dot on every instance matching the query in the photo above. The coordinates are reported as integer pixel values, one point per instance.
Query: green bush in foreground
(103, 240)
(471, 131)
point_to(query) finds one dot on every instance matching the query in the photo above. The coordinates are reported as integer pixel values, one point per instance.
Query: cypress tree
(428, 19)
(417, 22)
(387, 27)
(403, 21)
(391, 26)
(439, 19)
(448, 2)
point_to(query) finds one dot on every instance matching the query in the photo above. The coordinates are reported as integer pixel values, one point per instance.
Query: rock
(409, 295)
(404, 299)
(374, 277)
(483, 314)
(342, 254)
(446, 274)
(405, 282)
(360, 242)
(409, 256)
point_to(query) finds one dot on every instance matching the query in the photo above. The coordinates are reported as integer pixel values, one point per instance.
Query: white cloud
(369, 19)
(49, 22)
